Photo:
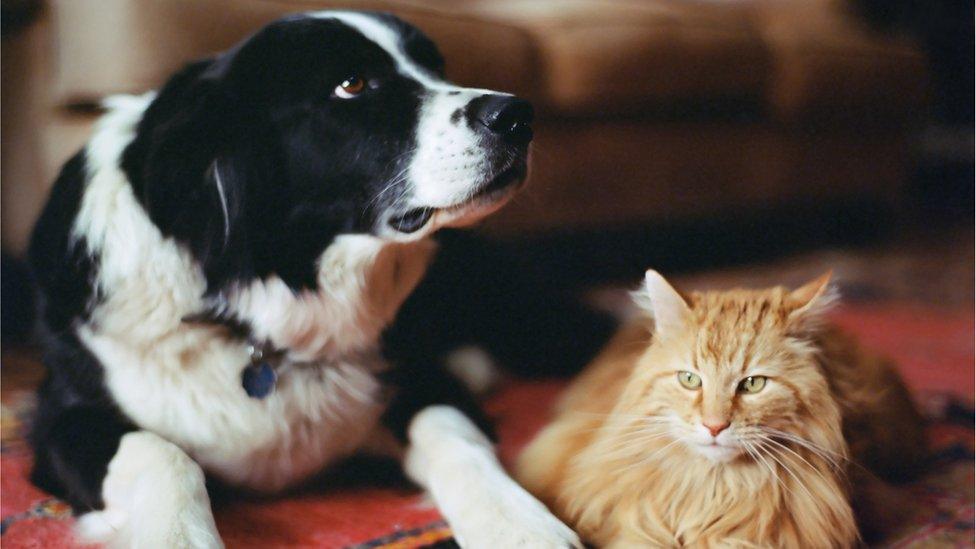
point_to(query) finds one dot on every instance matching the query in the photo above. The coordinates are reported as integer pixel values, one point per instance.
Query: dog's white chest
(317, 413)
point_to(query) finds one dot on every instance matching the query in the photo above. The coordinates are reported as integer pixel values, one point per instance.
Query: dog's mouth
(413, 220)
(485, 200)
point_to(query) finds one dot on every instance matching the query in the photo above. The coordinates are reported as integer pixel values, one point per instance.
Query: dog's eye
(350, 87)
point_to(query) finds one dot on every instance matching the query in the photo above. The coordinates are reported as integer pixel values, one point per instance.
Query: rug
(368, 505)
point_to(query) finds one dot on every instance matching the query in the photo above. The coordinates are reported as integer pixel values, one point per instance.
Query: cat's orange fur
(624, 462)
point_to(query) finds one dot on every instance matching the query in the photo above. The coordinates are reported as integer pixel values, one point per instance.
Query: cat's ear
(664, 304)
(810, 302)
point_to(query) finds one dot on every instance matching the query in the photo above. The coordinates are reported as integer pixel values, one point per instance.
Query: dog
(218, 267)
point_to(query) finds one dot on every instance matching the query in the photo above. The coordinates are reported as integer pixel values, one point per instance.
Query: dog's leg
(456, 463)
(154, 496)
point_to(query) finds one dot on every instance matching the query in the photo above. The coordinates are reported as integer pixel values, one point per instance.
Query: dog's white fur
(155, 496)
(180, 381)
(484, 506)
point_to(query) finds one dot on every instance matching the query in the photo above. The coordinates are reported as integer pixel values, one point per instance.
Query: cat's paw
(511, 518)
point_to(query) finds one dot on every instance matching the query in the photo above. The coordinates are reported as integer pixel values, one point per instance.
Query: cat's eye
(350, 87)
(752, 384)
(689, 380)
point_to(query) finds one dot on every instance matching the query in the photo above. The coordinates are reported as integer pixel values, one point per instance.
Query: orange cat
(724, 419)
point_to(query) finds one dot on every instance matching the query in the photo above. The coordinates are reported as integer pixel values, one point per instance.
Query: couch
(649, 110)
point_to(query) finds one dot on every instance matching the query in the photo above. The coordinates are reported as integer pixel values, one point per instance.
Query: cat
(736, 418)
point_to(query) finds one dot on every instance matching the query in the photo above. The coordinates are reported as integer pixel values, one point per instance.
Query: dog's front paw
(155, 496)
(511, 518)
(113, 529)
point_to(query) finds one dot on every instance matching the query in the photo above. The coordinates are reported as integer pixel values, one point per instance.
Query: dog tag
(259, 380)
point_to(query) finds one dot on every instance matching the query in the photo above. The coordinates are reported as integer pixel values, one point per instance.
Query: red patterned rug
(351, 508)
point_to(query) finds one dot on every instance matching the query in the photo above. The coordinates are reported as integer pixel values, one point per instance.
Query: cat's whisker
(835, 462)
(770, 434)
(764, 440)
(617, 414)
(754, 452)
(625, 455)
(779, 479)
(613, 430)
(621, 425)
(775, 456)
(616, 426)
(796, 438)
(644, 437)
(629, 455)
(803, 460)
(642, 425)
(824, 453)
(629, 446)
(650, 458)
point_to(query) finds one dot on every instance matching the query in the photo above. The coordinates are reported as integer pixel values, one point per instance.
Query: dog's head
(319, 125)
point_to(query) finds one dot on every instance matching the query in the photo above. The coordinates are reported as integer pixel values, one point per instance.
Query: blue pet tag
(259, 380)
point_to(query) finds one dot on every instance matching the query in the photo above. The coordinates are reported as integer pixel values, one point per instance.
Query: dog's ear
(195, 156)
(208, 164)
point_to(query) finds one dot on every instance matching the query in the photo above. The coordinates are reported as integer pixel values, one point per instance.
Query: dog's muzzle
(505, 122)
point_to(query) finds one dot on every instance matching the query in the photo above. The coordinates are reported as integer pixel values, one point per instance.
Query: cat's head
(727, 373)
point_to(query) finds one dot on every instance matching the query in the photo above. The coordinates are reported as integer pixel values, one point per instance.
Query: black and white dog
(218, 266)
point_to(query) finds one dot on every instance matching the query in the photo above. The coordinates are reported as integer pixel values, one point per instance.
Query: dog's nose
(505, 115)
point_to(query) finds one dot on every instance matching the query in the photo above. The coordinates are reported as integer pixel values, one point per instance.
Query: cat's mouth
(722, 453)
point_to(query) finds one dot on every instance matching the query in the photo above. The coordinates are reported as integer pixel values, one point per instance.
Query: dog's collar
(260, 376)
(265, 363)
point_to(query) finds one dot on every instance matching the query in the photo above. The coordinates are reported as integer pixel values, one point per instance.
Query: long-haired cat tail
(739, 418)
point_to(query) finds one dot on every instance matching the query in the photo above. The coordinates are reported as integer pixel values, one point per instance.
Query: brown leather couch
(649, 109)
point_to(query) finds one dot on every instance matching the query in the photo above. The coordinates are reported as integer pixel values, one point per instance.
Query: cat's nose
(715, 427)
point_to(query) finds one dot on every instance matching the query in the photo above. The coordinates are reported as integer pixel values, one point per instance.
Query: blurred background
(739, 142)
(684, 134)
